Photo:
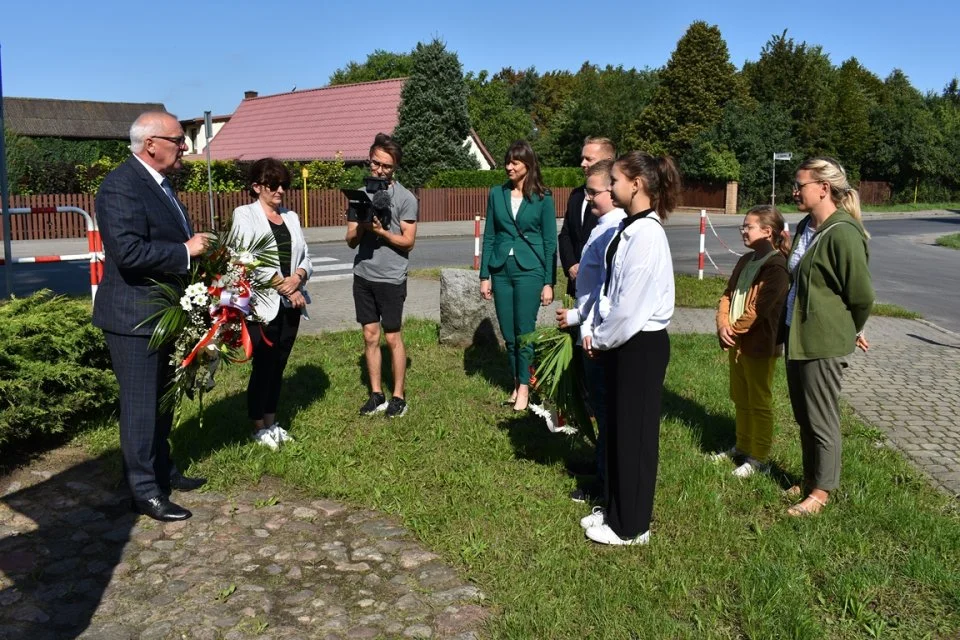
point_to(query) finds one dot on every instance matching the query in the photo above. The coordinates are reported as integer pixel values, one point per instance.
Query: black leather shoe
(160, 508)
(183, 483)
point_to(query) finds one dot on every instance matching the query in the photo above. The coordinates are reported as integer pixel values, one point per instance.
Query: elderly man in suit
(578, 222)
(147, 238)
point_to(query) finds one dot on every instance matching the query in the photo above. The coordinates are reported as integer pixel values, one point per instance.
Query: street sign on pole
(777, 155)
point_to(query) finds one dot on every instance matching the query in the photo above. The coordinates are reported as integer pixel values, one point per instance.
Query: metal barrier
(94, 256)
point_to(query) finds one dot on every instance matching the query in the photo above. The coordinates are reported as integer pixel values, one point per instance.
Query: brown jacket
(756, 329)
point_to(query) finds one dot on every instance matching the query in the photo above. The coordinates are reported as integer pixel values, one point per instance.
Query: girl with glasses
(748, 320)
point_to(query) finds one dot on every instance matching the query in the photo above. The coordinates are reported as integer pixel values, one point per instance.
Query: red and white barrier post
(94, 246)
(476, 243)
(703, 240)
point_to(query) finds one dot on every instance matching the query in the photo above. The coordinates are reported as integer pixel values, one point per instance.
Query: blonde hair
(826, 169)
(606, 144)
(770, 217)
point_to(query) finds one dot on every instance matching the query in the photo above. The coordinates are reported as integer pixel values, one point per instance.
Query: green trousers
(815, 395)
(751, 380)
(516, 297)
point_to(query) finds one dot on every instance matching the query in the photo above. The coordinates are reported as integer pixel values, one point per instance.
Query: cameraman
(385, 231)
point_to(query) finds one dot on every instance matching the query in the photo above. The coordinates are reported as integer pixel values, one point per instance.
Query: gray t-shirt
(377, 260)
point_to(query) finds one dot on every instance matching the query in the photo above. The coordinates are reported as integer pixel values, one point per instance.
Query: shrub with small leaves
(54, 367)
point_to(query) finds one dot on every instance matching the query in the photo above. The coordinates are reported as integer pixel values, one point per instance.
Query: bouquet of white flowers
(207, 322)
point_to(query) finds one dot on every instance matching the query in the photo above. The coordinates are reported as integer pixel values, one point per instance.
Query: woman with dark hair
(827, 306)
(519, 264)
(280, 309)
(635, 307)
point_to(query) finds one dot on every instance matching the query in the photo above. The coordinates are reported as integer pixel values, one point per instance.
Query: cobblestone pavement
(76, 563)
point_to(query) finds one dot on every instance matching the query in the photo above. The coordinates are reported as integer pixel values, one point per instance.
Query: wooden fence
(325, 208)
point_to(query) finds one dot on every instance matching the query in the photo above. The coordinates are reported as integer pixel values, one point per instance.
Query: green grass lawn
(488, 491)
(951, 240)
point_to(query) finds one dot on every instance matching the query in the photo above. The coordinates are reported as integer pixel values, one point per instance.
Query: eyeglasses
(593, 193)
(177, 141)
(384, 166)
(273, 186)
(800, 185)
(747, 227)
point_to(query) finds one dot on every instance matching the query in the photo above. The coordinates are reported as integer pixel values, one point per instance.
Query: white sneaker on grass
(605, 535)
(749, 468)
(266, 438)
(279, 433)
(595, 519)
(723, 456)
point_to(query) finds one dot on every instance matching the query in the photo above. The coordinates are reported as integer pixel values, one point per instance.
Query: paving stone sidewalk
(76, 563)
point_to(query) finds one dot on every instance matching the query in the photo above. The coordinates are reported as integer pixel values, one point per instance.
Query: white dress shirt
(593, 271)
(640, 296)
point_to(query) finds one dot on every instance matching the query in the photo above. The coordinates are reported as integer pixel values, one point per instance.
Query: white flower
(245, 257)
(196, 289)
(185, 302)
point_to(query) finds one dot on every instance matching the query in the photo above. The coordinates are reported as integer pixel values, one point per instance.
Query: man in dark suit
(147, 237)
(577, 221)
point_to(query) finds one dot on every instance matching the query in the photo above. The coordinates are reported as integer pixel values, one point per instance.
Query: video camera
(362, 207)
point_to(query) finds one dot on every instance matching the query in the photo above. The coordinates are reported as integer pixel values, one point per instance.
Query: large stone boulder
(466, 318)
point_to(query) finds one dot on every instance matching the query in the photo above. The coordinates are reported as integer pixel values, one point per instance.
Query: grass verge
(951, 240)
(488, 490)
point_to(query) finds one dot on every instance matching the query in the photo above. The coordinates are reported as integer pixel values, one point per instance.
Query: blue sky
(194, 56)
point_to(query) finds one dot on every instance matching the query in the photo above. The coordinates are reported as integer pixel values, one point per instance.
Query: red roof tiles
(310, 125)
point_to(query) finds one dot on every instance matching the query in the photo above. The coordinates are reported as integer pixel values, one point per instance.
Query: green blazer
(533, 237)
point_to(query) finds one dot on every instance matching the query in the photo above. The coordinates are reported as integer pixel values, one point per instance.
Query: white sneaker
(749, 468)
(279, 433)
(605, 535)
(595, 519)
(266, 438)
(723, 456)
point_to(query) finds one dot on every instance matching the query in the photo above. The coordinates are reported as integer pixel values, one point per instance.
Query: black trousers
(263, 389)
(143, 375)
(635, 373)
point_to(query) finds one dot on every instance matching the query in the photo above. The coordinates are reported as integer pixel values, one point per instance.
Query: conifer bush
(54, 368)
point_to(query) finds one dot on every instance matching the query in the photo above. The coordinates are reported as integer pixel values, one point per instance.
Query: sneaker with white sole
(605, 535)
(266, 438)
(749, 468)
(279, 433)
(595, 519)
(723, 456)
(376, 403)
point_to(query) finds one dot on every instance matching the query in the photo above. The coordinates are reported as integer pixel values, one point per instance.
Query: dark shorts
(379, 302)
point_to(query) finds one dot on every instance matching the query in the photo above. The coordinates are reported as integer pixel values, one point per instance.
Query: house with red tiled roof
(317, 124)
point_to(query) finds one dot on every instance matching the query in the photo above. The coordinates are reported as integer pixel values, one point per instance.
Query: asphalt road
(908, 268)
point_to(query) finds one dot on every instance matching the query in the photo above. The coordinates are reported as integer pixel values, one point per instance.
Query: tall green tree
(494, 117)
(694, 87)
(434, 122)
(604, 102)
(906, 145)
(380, 65)
(798, 78)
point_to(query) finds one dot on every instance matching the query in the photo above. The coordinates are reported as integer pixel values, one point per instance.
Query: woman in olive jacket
(520, 257)
(827, 307)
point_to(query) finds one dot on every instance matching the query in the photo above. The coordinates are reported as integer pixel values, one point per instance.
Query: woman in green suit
(519, 265)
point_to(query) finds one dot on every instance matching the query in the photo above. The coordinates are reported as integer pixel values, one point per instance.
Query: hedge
(552, 177)
(54, 368)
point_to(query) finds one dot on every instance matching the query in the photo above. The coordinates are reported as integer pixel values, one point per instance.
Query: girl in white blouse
(636, 304)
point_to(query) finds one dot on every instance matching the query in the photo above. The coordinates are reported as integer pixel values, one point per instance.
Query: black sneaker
(376, 403)
(397, 407)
